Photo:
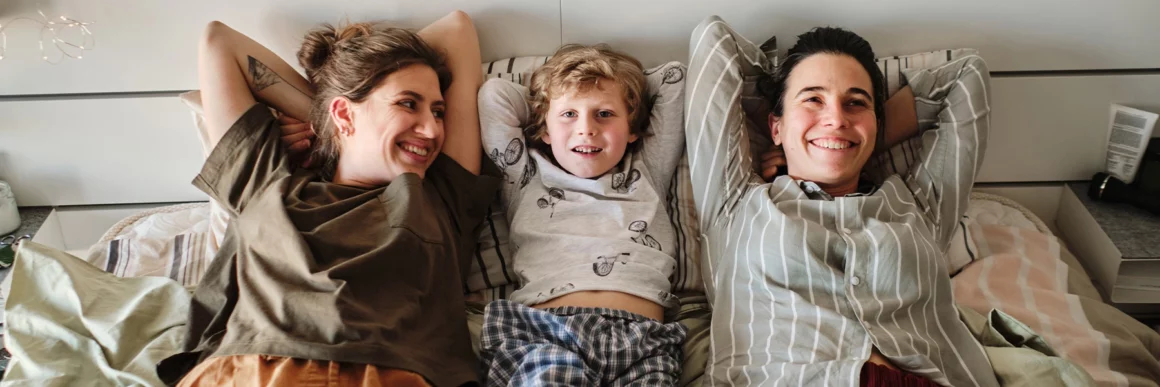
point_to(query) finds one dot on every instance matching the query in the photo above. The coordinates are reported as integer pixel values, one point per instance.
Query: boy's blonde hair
(578, 68)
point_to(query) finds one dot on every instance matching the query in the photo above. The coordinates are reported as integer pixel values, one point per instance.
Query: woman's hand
(771, 161)
(297, 137)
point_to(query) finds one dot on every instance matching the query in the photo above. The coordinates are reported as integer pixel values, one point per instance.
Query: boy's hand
(297, 137)
(771, 160)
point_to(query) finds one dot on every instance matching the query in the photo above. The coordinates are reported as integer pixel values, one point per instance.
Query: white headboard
(110, 129)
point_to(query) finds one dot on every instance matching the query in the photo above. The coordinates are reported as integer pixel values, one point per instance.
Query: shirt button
(854, 280)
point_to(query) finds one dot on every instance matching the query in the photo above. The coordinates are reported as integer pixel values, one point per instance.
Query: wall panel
(1012, 35)
(148, 45)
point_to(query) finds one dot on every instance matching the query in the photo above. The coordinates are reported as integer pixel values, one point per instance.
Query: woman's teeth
(414, 149)
(832, 144)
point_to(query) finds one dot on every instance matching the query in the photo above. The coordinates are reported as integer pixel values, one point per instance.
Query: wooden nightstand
(1119, 245)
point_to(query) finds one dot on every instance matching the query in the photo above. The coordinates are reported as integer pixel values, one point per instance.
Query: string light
(50, 33)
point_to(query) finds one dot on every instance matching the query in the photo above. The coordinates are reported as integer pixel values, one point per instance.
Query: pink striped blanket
(1028, 274)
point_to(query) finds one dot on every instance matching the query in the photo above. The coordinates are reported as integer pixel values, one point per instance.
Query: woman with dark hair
(350, 273)
(820, 276)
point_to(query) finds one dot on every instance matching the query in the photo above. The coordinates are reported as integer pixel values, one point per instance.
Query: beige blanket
(70, 323)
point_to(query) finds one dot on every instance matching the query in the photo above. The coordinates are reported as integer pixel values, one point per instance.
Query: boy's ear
(632, 137)
(775, 128)
(546, 138)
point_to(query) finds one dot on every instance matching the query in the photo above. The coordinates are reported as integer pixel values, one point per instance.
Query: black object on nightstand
(1143, 192)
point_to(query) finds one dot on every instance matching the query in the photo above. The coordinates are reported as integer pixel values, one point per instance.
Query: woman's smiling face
(828, 126)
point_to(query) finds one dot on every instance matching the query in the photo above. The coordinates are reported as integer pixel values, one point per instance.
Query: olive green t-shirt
(316, 270)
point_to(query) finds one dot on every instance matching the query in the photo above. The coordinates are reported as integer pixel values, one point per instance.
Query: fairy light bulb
(50, 31)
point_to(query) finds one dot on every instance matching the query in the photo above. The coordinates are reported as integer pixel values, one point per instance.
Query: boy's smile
(589, 130)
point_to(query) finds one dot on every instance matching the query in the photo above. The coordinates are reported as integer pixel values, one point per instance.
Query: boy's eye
(858, 102)
(568, 114)
(604, 114)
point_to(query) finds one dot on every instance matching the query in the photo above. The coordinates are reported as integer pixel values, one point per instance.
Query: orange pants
(262, 370)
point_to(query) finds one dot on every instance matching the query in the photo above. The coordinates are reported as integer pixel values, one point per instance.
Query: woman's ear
(342, 113)
(775, 128)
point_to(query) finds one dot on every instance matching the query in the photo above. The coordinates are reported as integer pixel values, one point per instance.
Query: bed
(112, 315)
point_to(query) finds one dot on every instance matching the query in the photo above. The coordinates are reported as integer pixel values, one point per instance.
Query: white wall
(152, 45)
(86, 147)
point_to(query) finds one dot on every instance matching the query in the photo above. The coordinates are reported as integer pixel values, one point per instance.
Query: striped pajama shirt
(803, 285)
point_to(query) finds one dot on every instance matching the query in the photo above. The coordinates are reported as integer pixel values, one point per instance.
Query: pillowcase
(899, 158)
(218, 217)
(518, 70)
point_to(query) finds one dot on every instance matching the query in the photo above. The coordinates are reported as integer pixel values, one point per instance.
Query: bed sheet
(1018, 267)
(98, 326)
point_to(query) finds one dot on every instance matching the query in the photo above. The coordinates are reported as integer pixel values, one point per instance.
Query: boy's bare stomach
(608, 299)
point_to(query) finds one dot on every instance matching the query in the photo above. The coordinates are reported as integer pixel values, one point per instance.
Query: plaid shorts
(573, 346)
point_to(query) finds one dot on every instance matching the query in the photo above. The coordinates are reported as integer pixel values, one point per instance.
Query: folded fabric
(70, 323)
(1019, 356)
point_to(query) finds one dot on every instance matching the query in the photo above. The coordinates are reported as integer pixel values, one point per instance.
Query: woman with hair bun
(350, 272)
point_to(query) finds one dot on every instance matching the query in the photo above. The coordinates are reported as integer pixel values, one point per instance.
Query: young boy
(585, 187)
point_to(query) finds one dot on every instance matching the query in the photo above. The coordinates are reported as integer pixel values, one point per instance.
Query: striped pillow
(902, 156)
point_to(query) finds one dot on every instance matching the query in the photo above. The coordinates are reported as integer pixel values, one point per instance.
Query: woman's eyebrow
(420, 98)
(860, 91)
(852, 90)
(810, 90)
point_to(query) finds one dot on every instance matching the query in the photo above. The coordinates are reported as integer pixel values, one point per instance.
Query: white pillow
(218, 217)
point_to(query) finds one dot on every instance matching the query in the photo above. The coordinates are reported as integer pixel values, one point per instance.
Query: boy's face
(589, 131)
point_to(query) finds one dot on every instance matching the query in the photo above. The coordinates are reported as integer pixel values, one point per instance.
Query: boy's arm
(455, 36)
(503, 113)
(663, 149)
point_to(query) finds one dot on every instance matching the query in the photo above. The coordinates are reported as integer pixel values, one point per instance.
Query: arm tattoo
(263, 76)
